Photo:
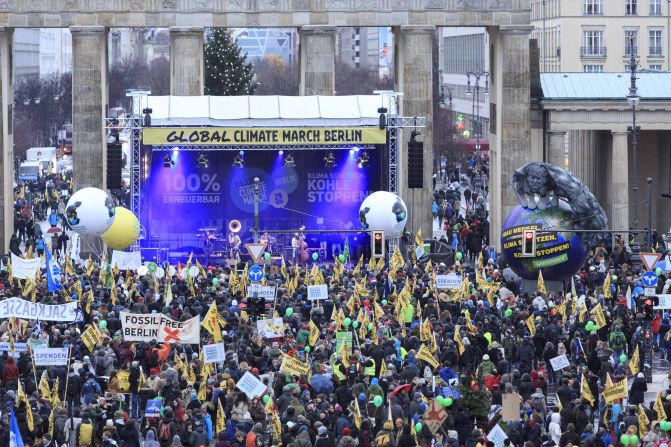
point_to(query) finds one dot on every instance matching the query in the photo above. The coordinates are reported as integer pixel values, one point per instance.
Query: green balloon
(347, 321)
(370, 326)
(307, 349)
(658, 271)
(459, 256)
(377, 401)
(266, 398)
(341, 258)
(624, 439)
(102, 324)
(633, 440)
(152, 267)
(418, 427)
(614, 277)
(315, 256)
(508, 313)
(215, 281)
(448, 401)
(384, 302)
(441, 400)
(355, 324)
(289, 312)
(623, 358)
(266, 256)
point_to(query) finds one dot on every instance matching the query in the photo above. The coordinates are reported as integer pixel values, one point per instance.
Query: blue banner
(15, 439)
(53, 273)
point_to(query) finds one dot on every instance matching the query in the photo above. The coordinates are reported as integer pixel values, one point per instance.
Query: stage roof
(265, 111)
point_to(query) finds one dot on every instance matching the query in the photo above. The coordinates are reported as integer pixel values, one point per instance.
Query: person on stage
(234, 242)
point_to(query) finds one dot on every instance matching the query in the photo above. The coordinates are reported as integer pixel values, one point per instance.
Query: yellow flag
(541, 283)
(606, 286)
(531, 324)
(643, 422)
(418, 238)
(585, 392)
(211, 322)
(29, 416)
(457, 338)
(221, 418)
(43, 387)
(357, 414)
(202, 389)
(20, 394)
(659, 408)
(344, 354)
(201, 270)
(192, 375)
(179, 364)
(383, 368)
(55, 398)
(314, 333)
(425, 355)
(634, 362)
(51, 423)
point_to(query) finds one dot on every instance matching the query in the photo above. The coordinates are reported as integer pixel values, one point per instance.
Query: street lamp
(477, 76)
(634, 100)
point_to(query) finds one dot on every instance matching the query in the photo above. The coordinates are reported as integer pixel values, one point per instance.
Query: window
(593, 44)
(593, 7)
(655, 42)
(630, 42)
(655, 7)
(656, 67)
(630, 7)
(592, 68)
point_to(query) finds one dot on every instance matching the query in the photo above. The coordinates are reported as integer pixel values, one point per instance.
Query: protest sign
(270, 327)
(124, 382)
(498, 436)
(319, 292)
(50, 356)
(124, 260)
(25, 268)
(450, 281)
(347, 336)
(153, 408)
(147, 327)
(616, 391)
(250, 385)
(559, 362)
(293, 366)
(214, 353)
(435, 416)
(91, 337)
(258, 291)
(510, 408)
(16, 307)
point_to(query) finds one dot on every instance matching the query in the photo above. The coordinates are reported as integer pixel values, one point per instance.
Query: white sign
(267, 292)
(560, 362)
(664, 302)
(450, 281)
(270, 327)
(25, 268)
(419, 252)
(50, 356)
(497, 436)
(650, 291)
(214, 353)
(16, 307)
(126, 260)
(147, 327)
(250, 385)
(320, 292)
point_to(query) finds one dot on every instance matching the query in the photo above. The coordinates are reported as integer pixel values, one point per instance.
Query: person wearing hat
(638, 390)
(485, 368)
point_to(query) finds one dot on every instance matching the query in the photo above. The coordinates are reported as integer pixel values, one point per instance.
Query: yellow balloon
(124, 231)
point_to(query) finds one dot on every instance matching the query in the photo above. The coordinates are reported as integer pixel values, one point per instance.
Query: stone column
(510, 139)
(583, 158)
(89, 105)
(6, 140)
(619, 181)
(317, 60)
(187, 67)
(556, 153)
(414, 77)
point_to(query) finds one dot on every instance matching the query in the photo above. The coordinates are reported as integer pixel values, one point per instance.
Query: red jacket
(10, 371)
(656, 323)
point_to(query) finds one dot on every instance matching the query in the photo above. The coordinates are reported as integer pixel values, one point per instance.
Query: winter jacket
(554, 429)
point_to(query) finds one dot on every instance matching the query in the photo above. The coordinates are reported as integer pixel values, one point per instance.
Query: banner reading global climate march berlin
(148, 327)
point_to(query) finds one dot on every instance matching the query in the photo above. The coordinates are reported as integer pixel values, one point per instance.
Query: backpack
(153, 358)
(619, 341)
(100, 366)
(86, 433)
(383, 439)
(165, 432)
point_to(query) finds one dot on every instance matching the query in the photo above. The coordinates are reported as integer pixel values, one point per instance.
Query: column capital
(417, 29)
(516, 29)
(186, 30)
(556, 132)
(87, 29)
(619, 132)
(318, 29)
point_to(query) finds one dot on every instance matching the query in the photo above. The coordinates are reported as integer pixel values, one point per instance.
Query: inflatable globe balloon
(90, 211)
(384, 211)
(124, 230)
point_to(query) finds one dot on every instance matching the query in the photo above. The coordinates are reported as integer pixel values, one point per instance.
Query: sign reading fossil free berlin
(147, 327)
(268, 136)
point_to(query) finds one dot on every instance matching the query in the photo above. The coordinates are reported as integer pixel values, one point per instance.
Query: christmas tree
(227, 72)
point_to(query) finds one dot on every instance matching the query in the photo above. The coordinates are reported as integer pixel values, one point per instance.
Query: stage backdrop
(183, 198)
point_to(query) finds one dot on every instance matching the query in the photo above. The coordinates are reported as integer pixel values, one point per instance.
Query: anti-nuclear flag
(615, 391)
(643, 422)
(211, 322)
(585, 392)
(43, 387)
(314, 333)
(457, 339)
(531, 324)
(357, 414)
(541, 284)
(91, 337)
(599, 316)
(606, 286)
(221, 418)
(425, 355)
(634, 362)
(659, 408)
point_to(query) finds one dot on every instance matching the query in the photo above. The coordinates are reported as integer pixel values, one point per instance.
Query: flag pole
(67, 379)
(32, 359)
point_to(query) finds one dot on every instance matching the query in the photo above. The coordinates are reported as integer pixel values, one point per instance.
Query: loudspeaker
(415, 164)
(114, 165)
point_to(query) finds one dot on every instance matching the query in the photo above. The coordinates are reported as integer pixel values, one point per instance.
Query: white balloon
(171, 271)
(159, 273)
(193, 271)
(90, 211)
(384, 211)
(142, 270)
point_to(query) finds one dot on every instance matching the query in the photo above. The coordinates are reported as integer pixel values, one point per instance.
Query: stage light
(238, 161)
(363, 160)
(289, 161)
(242, 153)
(175, 151)
(351, 151)
(329, 160)
(356, 148)
(202, 161)
(281, 152)
(168, 161)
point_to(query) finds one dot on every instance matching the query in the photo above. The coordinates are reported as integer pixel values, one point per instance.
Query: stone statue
(541, 185)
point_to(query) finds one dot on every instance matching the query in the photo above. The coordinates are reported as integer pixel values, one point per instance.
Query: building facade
(258, 43)
(366, 47)
(600, 35)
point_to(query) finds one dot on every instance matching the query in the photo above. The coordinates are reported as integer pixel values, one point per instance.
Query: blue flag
(53, 273)
(15, 439)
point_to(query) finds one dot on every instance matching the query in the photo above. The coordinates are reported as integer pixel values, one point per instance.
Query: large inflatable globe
(90, 211)
(559, 251)
(384, 211)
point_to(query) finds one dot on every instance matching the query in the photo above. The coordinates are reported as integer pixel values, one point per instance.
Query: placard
(267, 292)
(347, 337)
(250, 385)
(450, 281)
(214, 353)
(50, 356)
(293, 366)
(664, 301)
(25, 268)
(16, 307)
(510, 407)
(270, 327)
(124, 383)
(318, 292)
(497, 436)
(560, 362)
(153, 408)
(126, 260)
(147, 327)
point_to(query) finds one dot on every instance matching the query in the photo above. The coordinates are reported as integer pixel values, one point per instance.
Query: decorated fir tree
(227, 72)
